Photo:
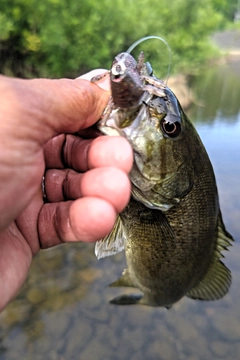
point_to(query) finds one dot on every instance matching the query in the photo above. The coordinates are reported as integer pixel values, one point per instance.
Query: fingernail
(104, 83)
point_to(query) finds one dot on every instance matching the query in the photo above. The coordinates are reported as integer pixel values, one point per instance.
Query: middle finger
(108, 183)
(67, 151)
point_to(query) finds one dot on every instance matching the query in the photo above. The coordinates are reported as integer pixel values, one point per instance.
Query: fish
(172, 230)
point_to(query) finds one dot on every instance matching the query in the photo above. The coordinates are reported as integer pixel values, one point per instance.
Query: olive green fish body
(163, 260)
(172, 230)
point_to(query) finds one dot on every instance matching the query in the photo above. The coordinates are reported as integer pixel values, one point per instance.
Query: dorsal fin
(224, 239)
(112, 243)
(216, 282)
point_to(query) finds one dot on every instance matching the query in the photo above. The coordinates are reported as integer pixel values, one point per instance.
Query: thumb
(50, 107)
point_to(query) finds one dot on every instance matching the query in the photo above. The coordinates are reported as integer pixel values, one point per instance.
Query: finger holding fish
(108, 183)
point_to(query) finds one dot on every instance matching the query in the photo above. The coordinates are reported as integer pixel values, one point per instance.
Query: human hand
(86, 180)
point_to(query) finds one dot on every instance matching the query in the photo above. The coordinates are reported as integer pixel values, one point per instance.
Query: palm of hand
(86, 179)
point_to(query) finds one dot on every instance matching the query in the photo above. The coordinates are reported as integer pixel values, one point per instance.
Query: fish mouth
(124, 122)
(110, 129)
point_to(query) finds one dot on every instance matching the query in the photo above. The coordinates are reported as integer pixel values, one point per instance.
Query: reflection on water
(218, 123)
(63, 310)
(218, 93)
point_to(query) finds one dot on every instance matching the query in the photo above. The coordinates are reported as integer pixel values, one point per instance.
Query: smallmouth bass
(172, 229)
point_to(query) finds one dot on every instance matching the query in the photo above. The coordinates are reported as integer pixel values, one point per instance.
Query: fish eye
(171, 129)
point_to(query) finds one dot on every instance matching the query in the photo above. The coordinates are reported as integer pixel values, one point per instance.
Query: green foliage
(56, 38)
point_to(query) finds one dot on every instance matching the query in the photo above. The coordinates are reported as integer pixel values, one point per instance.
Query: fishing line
(159, 38)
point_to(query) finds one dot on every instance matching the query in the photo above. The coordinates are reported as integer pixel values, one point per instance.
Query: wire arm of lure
(130, 49)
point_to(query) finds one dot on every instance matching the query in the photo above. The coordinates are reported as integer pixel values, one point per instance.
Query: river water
(63, 313)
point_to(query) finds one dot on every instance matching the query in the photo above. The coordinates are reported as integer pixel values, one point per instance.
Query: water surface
(63, 311)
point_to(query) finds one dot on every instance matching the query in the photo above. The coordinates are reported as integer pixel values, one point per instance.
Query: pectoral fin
(113, 243)
(215, 284)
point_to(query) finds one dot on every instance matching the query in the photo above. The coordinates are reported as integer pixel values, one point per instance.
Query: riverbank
(228, 43)
(179, 85)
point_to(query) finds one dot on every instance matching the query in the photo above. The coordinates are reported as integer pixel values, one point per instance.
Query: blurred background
(63, 312)
(57, 38)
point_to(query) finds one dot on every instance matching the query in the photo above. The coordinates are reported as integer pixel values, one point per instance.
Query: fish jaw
(122, 121)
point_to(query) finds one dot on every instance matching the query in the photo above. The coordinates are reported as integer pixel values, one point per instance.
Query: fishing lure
(130, 78)
(132, 84)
